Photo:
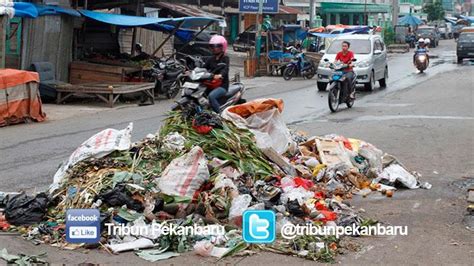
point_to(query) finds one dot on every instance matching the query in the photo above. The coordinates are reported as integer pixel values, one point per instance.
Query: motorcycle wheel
(173, 90)
(310, 73)
(288, 73)
(333, 98)
(350, 102)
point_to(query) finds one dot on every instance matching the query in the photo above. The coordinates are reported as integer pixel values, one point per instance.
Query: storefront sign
(251, 6)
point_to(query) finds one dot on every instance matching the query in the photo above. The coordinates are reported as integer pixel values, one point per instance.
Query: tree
(434, 10)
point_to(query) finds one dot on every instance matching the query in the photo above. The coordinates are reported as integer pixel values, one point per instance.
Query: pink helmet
(219, 40)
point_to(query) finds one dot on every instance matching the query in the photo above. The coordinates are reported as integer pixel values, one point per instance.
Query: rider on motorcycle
(422, 44)
(218, 47)
(346, 56)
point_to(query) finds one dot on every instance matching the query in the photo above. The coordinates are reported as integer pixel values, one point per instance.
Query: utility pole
(311, 13)
(258, 40)
(365, 13)
(223, 15)
(3, 36)
(395, 12)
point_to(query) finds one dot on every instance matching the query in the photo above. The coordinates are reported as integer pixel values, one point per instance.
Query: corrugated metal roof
(289, 10)
(186, 10)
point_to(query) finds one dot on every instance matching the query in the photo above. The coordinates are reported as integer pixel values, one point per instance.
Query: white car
(371, 64)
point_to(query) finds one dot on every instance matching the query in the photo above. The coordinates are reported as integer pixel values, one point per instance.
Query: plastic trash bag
(119, 196)
(265, 123)
(300, 194)
(137, 244)
(97, 146)
(223, 181)
(185, 174)
(396, 173)
(373, 155)
(174, 142)
(239, 205)
(156, 255)
(22, 209)
(206, 249)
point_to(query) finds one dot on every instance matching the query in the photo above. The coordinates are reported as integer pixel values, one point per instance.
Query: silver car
(371, 64)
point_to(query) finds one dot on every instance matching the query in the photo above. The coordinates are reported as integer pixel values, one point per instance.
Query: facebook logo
(83, 226)
(258, 226)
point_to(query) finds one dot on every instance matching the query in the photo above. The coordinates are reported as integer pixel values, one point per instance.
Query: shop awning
(29, 10)
(158, 24)
(409, 20)
(147, 22)
(353, 8)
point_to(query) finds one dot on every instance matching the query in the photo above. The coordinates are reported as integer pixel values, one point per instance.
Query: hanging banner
(251, 6)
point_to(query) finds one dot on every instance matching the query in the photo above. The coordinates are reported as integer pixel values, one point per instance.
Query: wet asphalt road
(31, 153)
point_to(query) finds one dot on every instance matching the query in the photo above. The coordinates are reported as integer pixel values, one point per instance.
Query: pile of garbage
(204, 169)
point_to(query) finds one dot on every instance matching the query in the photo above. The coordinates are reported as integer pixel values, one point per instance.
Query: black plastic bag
(208, 119)
(295, 208)
(22, 209)
(118, 197)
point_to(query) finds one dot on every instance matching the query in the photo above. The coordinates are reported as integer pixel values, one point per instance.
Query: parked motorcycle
(168, 75)
(190, 62)
(299, 66)
(421, 59)
(337, 95)
(195, 92)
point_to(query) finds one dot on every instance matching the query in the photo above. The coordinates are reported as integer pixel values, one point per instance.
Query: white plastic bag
(396, 172)
(300, 194)
(174, 142)
(205, 248)
(134, 245)
(268, 127)
(185, 174)
(239, 205)
(97, 146)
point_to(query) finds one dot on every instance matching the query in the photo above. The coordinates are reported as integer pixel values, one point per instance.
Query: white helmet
(427, 41)
(421, 40)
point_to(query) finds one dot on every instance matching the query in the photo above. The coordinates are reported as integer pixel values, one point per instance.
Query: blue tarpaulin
(56, 10)
(121, 20)
(158, 24)
(29, 10)
(135, 21)
(25, 10)
(409, 20)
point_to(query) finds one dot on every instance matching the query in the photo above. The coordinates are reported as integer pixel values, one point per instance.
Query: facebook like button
(83, 226)
(258, 226)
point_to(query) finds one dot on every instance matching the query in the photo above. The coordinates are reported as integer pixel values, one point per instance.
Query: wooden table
(108, 92)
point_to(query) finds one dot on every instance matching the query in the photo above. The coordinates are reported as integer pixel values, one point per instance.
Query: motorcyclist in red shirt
(345, 56)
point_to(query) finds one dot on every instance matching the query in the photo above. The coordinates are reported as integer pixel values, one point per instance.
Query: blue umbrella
(410, 20)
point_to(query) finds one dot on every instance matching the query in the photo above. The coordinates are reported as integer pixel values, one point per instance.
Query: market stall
(108, 73)
(19, 97)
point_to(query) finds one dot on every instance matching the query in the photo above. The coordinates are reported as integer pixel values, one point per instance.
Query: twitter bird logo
(258, 226)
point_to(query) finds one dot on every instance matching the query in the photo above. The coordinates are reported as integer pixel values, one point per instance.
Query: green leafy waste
(230, 143)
